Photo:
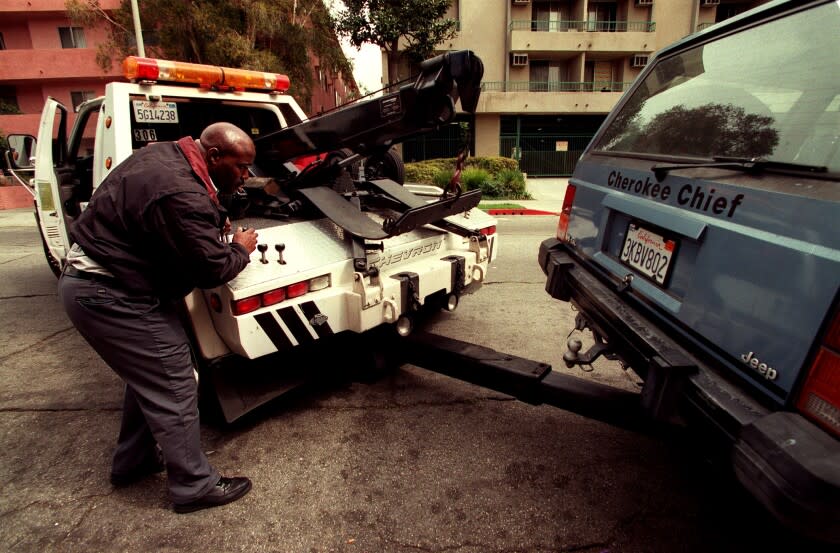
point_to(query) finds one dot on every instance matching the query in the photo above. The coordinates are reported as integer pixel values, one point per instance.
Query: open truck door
(51, 152)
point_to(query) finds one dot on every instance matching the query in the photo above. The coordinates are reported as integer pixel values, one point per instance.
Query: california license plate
(155, 112)
(648, 252)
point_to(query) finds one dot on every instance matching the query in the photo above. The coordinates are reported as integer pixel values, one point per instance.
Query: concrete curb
(520, 212)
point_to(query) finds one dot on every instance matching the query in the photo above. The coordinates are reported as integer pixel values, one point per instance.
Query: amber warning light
(205, 76)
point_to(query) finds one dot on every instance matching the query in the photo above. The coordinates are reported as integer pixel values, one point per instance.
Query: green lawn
(490, 205)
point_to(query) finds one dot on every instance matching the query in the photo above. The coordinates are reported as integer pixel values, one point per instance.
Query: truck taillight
(148, 69)
(245, 305)
(820, 396)
(252, 303)
(566, 212)
(488, 231)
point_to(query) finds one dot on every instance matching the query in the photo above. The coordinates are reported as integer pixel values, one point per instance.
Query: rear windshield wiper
(747, 164)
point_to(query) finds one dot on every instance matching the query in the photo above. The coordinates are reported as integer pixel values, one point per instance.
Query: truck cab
(311, 280)
(699, 242)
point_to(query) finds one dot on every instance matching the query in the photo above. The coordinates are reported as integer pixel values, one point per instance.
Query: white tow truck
(344, 246)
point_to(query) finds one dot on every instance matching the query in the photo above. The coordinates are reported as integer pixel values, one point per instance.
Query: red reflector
(566, 212)
(245, 305)
(488, 231)
(297, 289)
(820, 397)
(274, 296)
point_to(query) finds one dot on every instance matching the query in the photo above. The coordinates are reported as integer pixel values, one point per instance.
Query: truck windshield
(770, 92)
(171, 118)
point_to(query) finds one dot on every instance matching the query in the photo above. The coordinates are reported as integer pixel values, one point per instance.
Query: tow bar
(530, 381)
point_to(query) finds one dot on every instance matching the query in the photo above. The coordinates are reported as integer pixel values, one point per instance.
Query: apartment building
(42, 54)
(553, 69)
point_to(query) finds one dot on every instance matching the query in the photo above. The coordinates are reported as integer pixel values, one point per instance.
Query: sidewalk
(548, 196)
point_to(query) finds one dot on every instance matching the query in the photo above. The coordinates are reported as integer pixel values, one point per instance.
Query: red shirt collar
(190, 150)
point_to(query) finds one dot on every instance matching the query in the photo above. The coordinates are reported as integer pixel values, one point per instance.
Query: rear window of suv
(777, 99)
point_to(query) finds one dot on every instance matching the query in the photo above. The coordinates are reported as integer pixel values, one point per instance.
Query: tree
(421, 23)
(710, 130)
(266, 35)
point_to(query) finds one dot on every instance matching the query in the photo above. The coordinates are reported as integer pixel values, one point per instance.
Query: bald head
(226, 137)
(228, 151)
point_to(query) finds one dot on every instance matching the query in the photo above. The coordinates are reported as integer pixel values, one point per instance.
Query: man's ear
(213, 155)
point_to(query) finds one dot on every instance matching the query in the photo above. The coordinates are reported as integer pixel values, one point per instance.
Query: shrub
(493, 164)
(442, 178)
(474, 179)
(496, 176)
(421, 172)
(512, 184)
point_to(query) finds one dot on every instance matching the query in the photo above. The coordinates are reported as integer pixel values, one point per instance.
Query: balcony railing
(588, 26)
(702, 26)
(555, 86)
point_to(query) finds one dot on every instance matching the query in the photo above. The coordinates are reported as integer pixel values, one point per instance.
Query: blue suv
(700, 242)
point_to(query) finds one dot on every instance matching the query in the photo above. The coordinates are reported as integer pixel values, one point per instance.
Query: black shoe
(227, 490)
(148, 468)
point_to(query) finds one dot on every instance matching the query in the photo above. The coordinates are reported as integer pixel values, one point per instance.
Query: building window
(72, 37)
(8, 100)
(78, 97)
(725, 11)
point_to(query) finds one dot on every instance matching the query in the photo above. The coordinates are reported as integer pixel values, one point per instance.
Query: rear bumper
(786, 462)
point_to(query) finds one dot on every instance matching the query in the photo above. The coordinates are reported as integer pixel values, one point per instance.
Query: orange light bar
(206, 76)
(242, 79)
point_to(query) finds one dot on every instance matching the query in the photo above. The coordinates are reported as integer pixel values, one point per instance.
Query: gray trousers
(142, 339)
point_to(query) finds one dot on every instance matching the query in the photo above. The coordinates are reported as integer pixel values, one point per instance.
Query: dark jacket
(154, 226)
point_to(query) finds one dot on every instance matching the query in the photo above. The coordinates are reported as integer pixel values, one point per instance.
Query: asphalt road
(410, 462)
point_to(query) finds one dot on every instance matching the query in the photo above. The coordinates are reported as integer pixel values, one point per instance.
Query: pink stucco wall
(16, 36)
(36, 65)
(37, 6)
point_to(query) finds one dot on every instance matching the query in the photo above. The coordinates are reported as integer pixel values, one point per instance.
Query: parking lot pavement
(410, 462)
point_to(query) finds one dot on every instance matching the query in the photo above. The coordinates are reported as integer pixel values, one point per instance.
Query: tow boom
(370, 128)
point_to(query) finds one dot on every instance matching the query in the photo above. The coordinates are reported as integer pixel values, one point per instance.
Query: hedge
(496, 176)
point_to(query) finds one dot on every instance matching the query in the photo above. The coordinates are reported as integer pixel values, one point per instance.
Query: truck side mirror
(21, 154)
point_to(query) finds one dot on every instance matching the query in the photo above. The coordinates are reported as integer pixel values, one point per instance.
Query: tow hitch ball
(573, 356)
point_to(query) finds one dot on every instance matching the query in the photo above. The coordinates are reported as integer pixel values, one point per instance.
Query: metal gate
(545, 155)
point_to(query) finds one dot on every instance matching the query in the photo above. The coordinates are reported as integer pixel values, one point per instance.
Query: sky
(367, 66)
(367, 61)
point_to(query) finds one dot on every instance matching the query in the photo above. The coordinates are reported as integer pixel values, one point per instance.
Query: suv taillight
(820, 396)
(566, 212)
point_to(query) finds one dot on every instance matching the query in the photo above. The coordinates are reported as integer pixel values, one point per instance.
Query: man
(150, 234)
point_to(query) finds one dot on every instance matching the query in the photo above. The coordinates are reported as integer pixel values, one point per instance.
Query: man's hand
(246, 238)
(226, 226)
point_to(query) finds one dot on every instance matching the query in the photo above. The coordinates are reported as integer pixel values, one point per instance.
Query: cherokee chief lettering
(693, 196)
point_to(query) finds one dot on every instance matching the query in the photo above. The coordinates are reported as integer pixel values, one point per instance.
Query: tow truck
(345, 245)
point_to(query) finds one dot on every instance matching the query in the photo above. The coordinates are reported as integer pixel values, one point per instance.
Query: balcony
(555, 86)
(602, 36)
(21, 66)
(23, 123)
(589, 26)
(47, 6)
(550, 96)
